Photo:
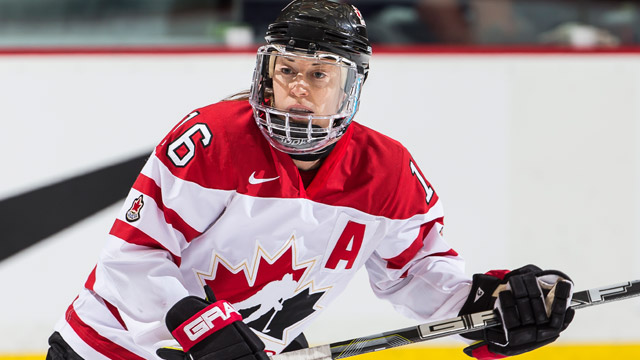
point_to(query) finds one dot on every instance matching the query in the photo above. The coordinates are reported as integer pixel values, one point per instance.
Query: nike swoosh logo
(254, 181)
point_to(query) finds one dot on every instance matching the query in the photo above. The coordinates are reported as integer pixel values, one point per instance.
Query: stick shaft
(459, 325)
(468, 323)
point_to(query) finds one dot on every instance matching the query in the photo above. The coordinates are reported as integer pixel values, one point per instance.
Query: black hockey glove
(533, 306)
(209, 330)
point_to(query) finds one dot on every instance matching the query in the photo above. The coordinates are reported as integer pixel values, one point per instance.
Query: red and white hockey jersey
(216, 204)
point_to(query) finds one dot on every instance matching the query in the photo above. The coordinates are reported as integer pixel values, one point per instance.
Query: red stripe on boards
(126, 50)
(444, 49)
(148, 186)
(133, 235)
(440, 49)
(98, 342)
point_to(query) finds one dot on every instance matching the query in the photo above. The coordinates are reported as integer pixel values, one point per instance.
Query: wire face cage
(303, 102)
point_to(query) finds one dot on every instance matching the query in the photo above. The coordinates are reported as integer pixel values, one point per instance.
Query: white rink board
(537, 160)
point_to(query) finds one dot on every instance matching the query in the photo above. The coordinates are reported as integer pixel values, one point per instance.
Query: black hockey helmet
(329, 38)
(323, 25)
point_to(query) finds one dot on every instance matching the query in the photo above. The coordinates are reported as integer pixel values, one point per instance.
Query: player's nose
(299, 87)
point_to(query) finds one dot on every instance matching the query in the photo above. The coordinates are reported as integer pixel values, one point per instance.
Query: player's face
(306, 86)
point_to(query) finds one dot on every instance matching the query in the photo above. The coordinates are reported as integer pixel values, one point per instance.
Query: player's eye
(286, 71)
(319, 75)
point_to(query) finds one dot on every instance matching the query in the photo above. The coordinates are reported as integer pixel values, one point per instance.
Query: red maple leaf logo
(271, 292)
(238, 283)
(235, 287)
(137, 204)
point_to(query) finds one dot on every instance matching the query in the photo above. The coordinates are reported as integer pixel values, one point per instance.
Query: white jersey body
(216, 204)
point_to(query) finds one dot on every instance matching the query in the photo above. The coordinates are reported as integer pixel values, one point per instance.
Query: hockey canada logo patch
(133, 214)
(272, 292)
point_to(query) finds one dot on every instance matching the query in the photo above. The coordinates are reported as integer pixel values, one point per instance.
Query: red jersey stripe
(98, 342)
(148, 186)
(133, 235)
(405, 257)
(91, 280)
(115, 312)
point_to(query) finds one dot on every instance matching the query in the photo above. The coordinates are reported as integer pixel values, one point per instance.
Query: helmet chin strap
(318, 155)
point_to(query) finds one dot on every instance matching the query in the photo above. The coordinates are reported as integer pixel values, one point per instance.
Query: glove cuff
(205, 322)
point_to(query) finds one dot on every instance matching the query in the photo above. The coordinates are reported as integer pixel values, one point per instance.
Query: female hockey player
(270, 203)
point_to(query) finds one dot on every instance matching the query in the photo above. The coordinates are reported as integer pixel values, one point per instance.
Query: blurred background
(26, 23)
(523, 114)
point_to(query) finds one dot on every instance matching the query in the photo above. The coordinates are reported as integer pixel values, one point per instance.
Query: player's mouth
(299, 109)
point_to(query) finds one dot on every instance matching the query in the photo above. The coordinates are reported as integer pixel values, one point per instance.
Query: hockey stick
(438, 329)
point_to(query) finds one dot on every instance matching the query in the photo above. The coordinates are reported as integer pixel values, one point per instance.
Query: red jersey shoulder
(409, 192)
(383, 147)
(222, 116)
(200, 144)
